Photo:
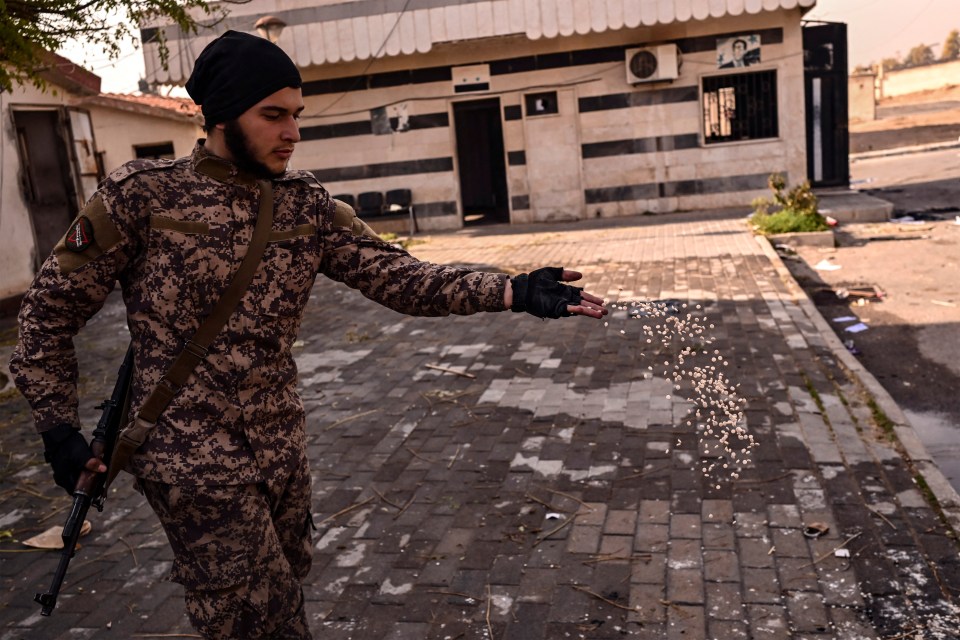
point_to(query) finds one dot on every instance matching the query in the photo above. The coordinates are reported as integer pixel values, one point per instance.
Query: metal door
(87, 171)
(47, 180)
(825, 78)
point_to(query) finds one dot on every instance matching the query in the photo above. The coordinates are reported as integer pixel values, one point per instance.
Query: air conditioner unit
(653, 64)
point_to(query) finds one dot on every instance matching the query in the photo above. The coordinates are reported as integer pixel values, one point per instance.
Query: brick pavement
(557, 492)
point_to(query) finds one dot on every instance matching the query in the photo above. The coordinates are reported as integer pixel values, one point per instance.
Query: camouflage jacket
(173, 233)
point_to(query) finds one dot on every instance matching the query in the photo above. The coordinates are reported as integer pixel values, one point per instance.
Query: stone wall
(933, 76)
(861, 90)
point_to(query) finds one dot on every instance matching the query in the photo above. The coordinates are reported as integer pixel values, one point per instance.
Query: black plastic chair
(347, 198)
(370, 204)
(399, 202)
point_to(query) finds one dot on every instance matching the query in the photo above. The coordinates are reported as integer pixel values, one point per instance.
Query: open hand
(590, 305)
(542, 293)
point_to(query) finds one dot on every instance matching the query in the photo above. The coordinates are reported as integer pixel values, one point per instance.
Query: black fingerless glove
(540, 293)
(67, 451)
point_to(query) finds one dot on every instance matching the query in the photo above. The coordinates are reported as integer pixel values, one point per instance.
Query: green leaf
(28, 28)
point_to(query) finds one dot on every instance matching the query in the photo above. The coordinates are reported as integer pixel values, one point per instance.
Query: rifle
(91, 487)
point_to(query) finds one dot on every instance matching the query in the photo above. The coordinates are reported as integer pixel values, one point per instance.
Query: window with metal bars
(741, 106)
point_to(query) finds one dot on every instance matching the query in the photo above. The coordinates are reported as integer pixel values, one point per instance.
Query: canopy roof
(363, 29)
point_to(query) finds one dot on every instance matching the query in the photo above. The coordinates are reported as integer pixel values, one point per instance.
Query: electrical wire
(593, 76)
(373, 59)
(472, 94)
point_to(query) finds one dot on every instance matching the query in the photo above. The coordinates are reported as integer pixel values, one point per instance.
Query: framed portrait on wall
(738, 51)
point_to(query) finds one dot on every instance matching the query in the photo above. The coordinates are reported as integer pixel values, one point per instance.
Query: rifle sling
(195, 349)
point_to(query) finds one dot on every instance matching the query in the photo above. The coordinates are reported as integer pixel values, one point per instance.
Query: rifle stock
(91, 487)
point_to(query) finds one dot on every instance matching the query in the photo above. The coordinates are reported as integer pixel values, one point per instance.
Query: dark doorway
(46, 178)
(825, 80)
(483, 172)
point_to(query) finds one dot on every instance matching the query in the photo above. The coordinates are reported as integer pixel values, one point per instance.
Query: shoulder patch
(80, 235)
(90, 235)
(139, 166)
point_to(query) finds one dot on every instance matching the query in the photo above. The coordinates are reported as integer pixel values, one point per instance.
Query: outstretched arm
(389, 275)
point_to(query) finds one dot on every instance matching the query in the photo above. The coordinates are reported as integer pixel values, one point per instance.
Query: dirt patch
(909, 136)
(899, 281)
(942, 94)
(918, 118)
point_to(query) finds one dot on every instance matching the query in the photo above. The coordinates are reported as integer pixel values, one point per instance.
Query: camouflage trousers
(241, 553)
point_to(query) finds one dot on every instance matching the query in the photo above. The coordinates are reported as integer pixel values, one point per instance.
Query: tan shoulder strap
(135, 434)
(195, 350)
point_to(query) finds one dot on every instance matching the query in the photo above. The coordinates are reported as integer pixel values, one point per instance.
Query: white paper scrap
(845, 319)
(857, 328)
(826, 265)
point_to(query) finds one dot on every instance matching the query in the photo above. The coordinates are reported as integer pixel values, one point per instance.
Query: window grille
(741, 106)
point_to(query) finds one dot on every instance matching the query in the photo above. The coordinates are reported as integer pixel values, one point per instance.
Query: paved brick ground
(557, 493)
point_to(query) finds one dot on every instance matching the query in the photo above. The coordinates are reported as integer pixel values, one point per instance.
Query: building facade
(56, 144)
(539, 110)
(144, 126)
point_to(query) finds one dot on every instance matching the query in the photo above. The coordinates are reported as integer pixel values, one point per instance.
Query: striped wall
(331, 32)
(640, 149)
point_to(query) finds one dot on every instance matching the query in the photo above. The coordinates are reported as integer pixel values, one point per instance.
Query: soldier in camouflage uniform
(225, 467)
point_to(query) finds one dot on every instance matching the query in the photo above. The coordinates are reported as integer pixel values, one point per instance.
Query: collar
(218, 168)
(223, 170)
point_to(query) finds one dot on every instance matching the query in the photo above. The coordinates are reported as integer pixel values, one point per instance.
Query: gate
(825, 89)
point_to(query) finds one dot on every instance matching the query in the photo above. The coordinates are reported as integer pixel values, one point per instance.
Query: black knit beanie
(235, 72)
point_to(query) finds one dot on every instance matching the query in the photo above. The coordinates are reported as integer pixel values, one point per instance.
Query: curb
(907, 438)
(902, 151)
(805, 238)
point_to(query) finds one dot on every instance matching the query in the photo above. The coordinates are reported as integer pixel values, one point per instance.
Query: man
(742, 56)
(225, 466)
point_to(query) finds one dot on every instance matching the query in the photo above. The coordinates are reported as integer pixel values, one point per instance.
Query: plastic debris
(826, 265)
(856, 328)
(851, 347)
(845, 319)
(906, 220)
(785, 248)
(842, 553)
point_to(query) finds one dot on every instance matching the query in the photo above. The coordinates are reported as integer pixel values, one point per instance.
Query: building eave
(365, 29)
(69, 75)
(132, 106)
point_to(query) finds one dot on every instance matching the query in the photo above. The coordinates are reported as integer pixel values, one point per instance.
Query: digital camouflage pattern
(240, 553)
(225, 468)
(173, 233)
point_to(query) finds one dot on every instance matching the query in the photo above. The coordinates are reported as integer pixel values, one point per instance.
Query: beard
(243, 155)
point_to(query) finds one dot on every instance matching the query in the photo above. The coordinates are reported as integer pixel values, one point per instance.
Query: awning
(366, 29)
